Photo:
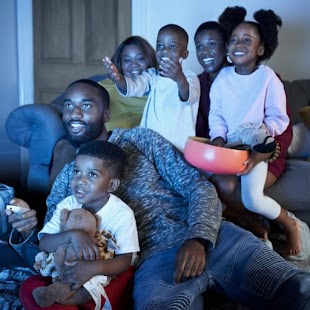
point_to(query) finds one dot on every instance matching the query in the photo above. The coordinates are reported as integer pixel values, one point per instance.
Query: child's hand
(171, 69)
(84, 245)
(77, 273)
(276, 153)
(254, 159)
(112, 70)
(219, 141)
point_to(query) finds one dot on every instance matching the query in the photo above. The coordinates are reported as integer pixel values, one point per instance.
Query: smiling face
(170, 44)
(91, 182)
(244, 48)
(83, 114)
(133, 61)
(210, 51)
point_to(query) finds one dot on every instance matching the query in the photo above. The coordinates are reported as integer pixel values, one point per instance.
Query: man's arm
(204, 206)
(23, 222)
(63, 153)
(205, 213)
(60, 190)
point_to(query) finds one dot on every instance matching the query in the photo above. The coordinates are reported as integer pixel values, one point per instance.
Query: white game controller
(16, 209)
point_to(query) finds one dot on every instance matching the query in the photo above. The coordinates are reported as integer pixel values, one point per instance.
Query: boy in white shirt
(172, 105)
(96, 174)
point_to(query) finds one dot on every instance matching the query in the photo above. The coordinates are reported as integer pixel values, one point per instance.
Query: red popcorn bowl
(219, 160)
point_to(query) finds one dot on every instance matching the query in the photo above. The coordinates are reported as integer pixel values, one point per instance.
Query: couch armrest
(36, 127)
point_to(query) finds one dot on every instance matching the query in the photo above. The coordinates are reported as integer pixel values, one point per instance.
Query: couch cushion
(291, 191)
(298, 96)
(37, 127)
(300, 145)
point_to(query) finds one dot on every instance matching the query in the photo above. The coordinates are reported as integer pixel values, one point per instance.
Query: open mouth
(79, 193)
(239, 53)
(135, 72)
(208, 60)
(76, 127)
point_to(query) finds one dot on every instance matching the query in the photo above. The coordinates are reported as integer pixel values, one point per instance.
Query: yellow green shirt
(126, 112)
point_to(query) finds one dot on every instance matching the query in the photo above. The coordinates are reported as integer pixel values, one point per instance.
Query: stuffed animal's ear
(97, 219)
(64, 214)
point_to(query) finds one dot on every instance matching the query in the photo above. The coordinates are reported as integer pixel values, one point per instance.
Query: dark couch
(38, 127)
(292, 189)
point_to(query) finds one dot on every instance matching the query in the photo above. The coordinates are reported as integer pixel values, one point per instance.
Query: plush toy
(257, 137)
(44, 262)
(58, 292)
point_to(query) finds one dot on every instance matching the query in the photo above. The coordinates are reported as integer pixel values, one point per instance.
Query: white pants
(252, 193)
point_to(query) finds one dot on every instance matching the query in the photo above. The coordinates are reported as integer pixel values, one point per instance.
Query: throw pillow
(300, 145)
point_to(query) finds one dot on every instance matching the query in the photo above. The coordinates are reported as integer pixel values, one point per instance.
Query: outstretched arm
(115, 76)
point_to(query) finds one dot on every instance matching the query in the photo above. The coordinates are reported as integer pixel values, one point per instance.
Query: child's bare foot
(293, 242)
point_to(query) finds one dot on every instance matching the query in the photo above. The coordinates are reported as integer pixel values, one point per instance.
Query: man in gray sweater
(186, 247)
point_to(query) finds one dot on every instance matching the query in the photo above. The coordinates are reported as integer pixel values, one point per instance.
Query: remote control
(16, 209)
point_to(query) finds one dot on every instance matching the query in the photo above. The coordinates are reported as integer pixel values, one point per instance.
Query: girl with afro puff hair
(250, 96)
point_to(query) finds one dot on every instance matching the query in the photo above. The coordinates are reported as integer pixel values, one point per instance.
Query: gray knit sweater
(6, 194)
(171, 200)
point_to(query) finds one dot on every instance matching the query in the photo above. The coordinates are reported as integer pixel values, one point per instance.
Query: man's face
(83, 114)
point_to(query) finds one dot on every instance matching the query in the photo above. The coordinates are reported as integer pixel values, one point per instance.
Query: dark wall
(9, 152)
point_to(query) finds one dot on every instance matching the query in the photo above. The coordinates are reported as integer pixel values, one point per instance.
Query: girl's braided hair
(267, 24)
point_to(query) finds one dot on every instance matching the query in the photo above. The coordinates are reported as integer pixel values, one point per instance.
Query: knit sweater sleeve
(204, 207)
(60, 190)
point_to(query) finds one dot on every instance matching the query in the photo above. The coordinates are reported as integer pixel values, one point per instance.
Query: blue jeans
(240, 266)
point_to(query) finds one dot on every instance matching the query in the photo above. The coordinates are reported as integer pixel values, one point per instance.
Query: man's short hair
(103, 92)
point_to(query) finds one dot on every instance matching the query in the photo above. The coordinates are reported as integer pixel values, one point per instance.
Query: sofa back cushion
(298, 96)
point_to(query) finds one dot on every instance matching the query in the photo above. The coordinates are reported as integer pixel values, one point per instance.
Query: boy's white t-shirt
(115, 216)
(164, 111)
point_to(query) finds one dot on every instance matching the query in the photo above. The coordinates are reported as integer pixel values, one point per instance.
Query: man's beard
(92, 132)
